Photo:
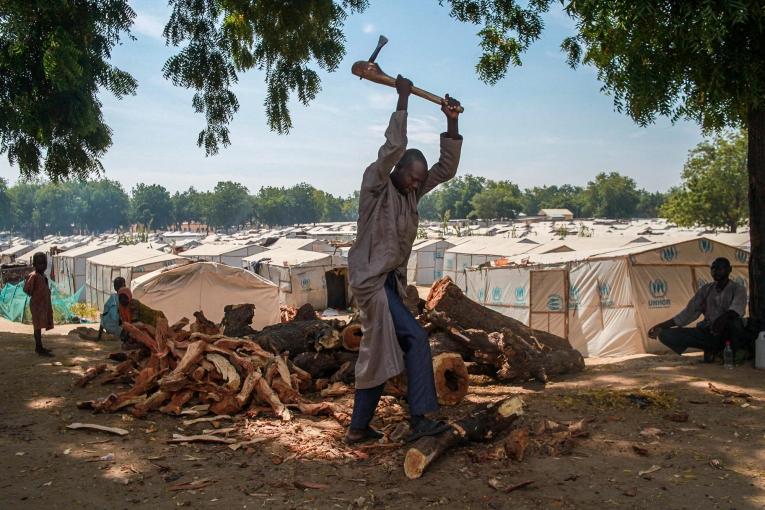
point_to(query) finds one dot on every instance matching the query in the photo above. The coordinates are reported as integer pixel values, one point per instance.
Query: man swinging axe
(393, 341)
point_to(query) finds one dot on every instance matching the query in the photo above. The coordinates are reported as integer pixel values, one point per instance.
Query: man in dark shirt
(722, 303)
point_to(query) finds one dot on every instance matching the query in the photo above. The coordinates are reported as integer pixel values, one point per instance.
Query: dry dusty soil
(715, 459)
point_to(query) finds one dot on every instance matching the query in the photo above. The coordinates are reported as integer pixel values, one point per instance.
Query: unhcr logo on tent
(481, 294)
(554, 303)
(742, 256)
(305, 283)
(668, 254)
(496, 294)
(658, 289)
(705, 245)
(605, 295)
(573, 297)
(520, 295)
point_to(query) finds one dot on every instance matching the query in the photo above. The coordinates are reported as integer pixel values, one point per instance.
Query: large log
(451, 378)
(295, 336)
(446, 297)
(481, 425)
(514, 350)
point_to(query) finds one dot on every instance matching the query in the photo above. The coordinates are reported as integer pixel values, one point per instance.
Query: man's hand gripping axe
(371, 71)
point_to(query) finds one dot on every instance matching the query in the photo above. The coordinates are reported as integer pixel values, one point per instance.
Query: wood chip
(238, 445)
(206, 419)
(728, 393)
(102, 428)
(650, 470)
(190, 486)
(309, 485)
(202, 438)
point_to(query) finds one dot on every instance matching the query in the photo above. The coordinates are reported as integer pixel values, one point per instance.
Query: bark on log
(204, 325)
(90, 374)
(237, 320)
(296, 336)
(481, 425)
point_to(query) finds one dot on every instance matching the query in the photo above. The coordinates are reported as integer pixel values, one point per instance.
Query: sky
(543, 124)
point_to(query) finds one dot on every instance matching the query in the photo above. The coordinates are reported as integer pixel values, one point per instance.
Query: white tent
(479, 250)
(128, 262)
(15, 251)
(69, 266)
(231, 254)
(604, 301)
(303, 276)
(426, 262)
(209, 287)
(300, 243)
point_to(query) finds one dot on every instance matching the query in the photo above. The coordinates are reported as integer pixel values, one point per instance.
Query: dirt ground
(716, 459)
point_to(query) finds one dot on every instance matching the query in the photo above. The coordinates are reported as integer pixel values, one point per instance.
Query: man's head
(119, 282)
(410, 172)
(40, 262)
(720, 269)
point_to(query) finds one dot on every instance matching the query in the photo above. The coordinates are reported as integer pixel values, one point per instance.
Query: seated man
(110, 317)
(723, 303)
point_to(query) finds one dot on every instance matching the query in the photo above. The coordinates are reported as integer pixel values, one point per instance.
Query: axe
(362, 69)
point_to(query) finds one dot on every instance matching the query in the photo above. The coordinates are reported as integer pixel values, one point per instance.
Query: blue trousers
(413, 340)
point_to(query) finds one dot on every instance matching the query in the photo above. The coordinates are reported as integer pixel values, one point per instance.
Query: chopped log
(352, 335)
(296, 336)
(480, 425)
(90, 374)
(325, 408)
(317, 364)
(178, 326)
(446, 297)
(346, 373)
(178, 377)
(206, 419)
(237, 320)
(204, 325)
(154, 401)
(227, 371)
(451, 378)
(177, 401)
(140, 336)
(267, 395)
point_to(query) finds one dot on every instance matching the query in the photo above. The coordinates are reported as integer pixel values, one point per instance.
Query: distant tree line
(713, 193)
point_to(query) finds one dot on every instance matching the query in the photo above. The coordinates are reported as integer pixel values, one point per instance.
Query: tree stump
(352, 336)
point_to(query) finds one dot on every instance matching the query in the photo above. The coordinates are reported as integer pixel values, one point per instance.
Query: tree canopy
(714, 189)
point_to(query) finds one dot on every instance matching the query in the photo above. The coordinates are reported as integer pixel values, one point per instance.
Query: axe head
(380, 43)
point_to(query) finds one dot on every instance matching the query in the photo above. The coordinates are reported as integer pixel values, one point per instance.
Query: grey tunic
(713, 303)
(387, 228)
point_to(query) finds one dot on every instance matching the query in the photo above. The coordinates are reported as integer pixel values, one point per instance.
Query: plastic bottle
(728, 355)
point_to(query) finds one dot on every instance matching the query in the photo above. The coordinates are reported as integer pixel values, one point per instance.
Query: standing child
(38, 290)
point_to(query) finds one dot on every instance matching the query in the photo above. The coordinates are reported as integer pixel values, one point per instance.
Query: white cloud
(422, 130)
(148, 25)
(369, 28)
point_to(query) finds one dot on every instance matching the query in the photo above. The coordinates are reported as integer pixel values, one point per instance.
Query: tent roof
(132, 256)
(286, 257)
(223, 271)
(215, 249)
(83, 251)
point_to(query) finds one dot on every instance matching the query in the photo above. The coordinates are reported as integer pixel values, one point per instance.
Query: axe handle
(359, 69)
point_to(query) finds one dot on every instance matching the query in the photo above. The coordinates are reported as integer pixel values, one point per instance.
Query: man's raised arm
(451, 146)
(392, 150)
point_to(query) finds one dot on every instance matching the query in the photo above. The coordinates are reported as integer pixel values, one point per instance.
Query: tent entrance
(336, 289)
(549, 298)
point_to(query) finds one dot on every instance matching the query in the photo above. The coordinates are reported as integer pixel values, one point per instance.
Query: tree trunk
(297, 336)
(481, 425)
(756, 167)
(446, 297)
